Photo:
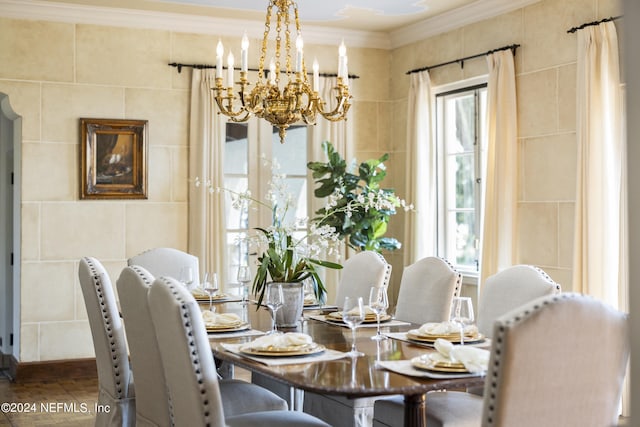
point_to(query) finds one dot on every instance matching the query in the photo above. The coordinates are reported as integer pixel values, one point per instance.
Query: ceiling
(363, 23)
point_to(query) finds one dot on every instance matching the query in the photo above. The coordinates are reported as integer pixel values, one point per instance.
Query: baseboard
(52, 370)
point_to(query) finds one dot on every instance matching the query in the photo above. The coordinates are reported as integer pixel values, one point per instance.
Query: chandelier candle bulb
(299, 46)
(219, 53)
(272, 72)
(230, 61)
(245, 50)
(316, 75)
(342, 56)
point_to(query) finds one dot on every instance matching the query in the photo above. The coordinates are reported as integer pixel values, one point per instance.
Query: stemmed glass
(379, 303)
(210, 286)
(275, 299)
(244, 278)
(461, 314)
(186, 276)
(353, 315)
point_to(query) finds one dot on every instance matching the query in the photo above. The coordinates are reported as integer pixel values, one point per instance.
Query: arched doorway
(10, 176)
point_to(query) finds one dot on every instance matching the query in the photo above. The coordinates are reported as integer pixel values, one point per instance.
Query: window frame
(438, 97)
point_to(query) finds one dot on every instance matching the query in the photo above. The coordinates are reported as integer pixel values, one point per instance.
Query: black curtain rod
(589, 24)
(460, 61)
(205, 66)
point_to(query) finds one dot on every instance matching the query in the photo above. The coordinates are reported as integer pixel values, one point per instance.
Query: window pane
(235, 149)
(236, 219)
(464, 180)
(296, 189)
(292, 155)
(466, 121)
(466, 254)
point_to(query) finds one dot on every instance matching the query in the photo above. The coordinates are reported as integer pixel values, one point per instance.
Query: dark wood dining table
(351, 377)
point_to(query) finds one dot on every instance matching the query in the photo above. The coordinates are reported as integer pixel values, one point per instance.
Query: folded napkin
(474, 359)
(275, 341)
(367, 311)
(199, 292)
(222, 319)
(446, 328)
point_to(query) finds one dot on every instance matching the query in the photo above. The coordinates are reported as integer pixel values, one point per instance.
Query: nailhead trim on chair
(547, 278)
(458, 286)
(95, 276)
(195, 360)
(499, 339)
(387, 270)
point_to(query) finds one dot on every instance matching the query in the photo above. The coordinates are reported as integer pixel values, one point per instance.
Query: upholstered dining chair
(115, 382)
(189, 369)
(558, 360)
(509, 289)
(502, 292)
(359, 273)
(166, 262)
(152, 400)
(426, 290)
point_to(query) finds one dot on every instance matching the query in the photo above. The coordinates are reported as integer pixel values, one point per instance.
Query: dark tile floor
(66, 402)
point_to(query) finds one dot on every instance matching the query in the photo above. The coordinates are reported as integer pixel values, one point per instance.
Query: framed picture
(113, 158)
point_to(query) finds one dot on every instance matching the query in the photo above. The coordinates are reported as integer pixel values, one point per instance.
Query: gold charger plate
(433, 364)
(205, 298)
(454, 338)
(226, 328)
(336, 316)
(304, 350)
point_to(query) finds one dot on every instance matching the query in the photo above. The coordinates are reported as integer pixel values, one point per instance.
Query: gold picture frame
(113, 158)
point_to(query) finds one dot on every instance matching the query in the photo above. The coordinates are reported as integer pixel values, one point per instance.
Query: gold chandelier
(296, 100)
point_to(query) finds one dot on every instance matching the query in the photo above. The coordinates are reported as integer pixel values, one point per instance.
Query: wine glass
(244, 278)
(353, 315)
(210, 286)
(379, 303)
(186, 276)
(461, 314)
(275, 299)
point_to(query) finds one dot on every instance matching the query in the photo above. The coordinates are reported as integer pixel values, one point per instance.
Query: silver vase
(290, 313)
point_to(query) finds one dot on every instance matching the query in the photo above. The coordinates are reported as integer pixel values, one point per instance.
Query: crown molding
(132, 18)
(474, 12)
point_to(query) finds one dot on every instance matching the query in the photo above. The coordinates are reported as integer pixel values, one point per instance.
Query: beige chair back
(509, 289)
(559, 360)
(116, 389)
(152, 401)
(426, 290)
(167, 262)
(187, 360)
(359, 273)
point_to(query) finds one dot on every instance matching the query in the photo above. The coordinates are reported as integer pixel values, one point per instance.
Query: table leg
(415, 410)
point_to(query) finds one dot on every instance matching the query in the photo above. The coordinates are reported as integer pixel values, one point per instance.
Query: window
(461, 137)
(250, 150)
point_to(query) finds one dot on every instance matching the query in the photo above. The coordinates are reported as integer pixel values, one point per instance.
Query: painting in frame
(113, 158)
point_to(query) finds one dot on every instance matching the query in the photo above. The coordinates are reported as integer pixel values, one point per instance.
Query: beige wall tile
(550, 168)
(64, 105)
(24, 99)
(125, 57)
(65, 340)
(537, 103)
(384, 126)
(607, 8)
(372, 66)
(49, 172)
(160, 176)
(30, 229)
(151, 225)
(27, 49)
(365, 134)
(503, 30)
(538, 233)
(545, 37)
(87, 228)
(167, 112)
(567, 98)
(566, 224)
(46, 291)
(29, 342)
(399, 117)
(180, 174)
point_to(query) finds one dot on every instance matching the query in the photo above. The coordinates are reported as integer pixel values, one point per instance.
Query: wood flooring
(49, 403)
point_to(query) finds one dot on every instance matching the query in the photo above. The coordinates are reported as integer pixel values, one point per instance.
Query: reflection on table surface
(342, 376)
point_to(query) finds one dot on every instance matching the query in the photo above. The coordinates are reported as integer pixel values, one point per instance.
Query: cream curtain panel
(207, 230)
(340, 134)
(599, 264)
(500, 202)
(421, 226)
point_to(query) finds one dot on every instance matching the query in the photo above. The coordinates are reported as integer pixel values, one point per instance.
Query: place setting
(449, 360)
(284, 349)
(227, 325)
